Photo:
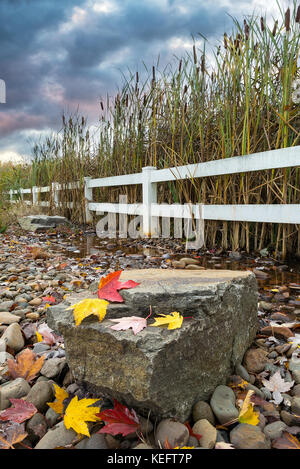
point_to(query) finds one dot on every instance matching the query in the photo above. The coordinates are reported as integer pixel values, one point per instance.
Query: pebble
(57, 436)
(41, 393)
(296, 376)
(36, 302)
(255, 359)
(53, 367)
(208, 433)
(202, 410)
(6, 305)
(175, 432)
(290, 419)
(142, 446)
(274, 430)
(14, 337)
(96, 441)
(245, 436)
(13, 389)
(296, 390)
(295, 405)
(4, 356)
(223, 404)
(242, 372)
(2, 345)
(8, 318)
(36, 427)
(51, 417)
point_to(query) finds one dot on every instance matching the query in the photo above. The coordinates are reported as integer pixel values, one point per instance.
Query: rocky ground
(42, 267)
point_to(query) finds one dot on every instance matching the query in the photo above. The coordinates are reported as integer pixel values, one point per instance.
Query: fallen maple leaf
(277, 385)
(45, 334)
(26, 366)
(109, 285)
(11, 434)
(174, 320)
(78, 412)
(86, 307)
(286, 441)
(60, 396)
(137, 324)
(196, 435)
(49, 299)
(247, 414)
(119, 420)
(19, 411)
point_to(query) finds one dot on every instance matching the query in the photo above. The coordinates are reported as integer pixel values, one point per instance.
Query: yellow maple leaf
(86, 307)
(78, 412)
(173, 319)
(247, 413)
(60, 395)
(39, 337)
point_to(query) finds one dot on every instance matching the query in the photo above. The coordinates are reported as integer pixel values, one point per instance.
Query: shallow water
(91, 245)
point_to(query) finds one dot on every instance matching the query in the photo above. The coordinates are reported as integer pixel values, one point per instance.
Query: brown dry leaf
(11, 434)
(286, 441)
(26, 365)
(39, 253)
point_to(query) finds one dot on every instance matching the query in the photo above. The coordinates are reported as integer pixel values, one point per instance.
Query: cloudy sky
(56, 55)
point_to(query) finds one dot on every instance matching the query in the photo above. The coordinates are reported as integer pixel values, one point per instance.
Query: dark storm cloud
(48, 60)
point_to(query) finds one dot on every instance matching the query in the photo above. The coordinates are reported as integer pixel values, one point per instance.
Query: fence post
(34, 195)
(88, 197)
(149, 197)
(55, 193)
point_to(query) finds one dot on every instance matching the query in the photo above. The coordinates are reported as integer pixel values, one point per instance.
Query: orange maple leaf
(26, 365)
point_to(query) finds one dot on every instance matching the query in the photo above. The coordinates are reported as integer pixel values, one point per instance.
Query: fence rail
(150, 210)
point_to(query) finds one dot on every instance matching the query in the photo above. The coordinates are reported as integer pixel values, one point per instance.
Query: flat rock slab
(160, 370)
(41, 222)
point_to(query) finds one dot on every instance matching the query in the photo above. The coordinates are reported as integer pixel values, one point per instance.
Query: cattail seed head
(246, 30)
(275, 28)
(287, 19)
(195, 54)
(298, 15)
(262, 24)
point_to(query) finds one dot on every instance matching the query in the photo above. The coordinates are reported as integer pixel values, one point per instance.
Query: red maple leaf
(19, 412)
(108, 286)
(49, 299)
(196, 435)
(119, 420)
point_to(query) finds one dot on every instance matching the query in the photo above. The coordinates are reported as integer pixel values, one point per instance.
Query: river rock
(52, 367)
(223, 404)
(245, 436)
(175, 432)
(202, 410)
(57, 436)
(36, 427)
(14, 337)
(96, 441)
(8, 318)
(208, 433)
(295, 407)
(13, 390)
(40, 393)
(274, 430)
(137, 369)
(255, 359)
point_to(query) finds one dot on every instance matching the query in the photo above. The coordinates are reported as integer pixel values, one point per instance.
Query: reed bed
(194, 111)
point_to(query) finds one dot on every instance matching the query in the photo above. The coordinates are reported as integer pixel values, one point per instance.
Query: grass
(191, 112)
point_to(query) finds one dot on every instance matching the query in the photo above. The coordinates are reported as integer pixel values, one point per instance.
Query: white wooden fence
(149, 209)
